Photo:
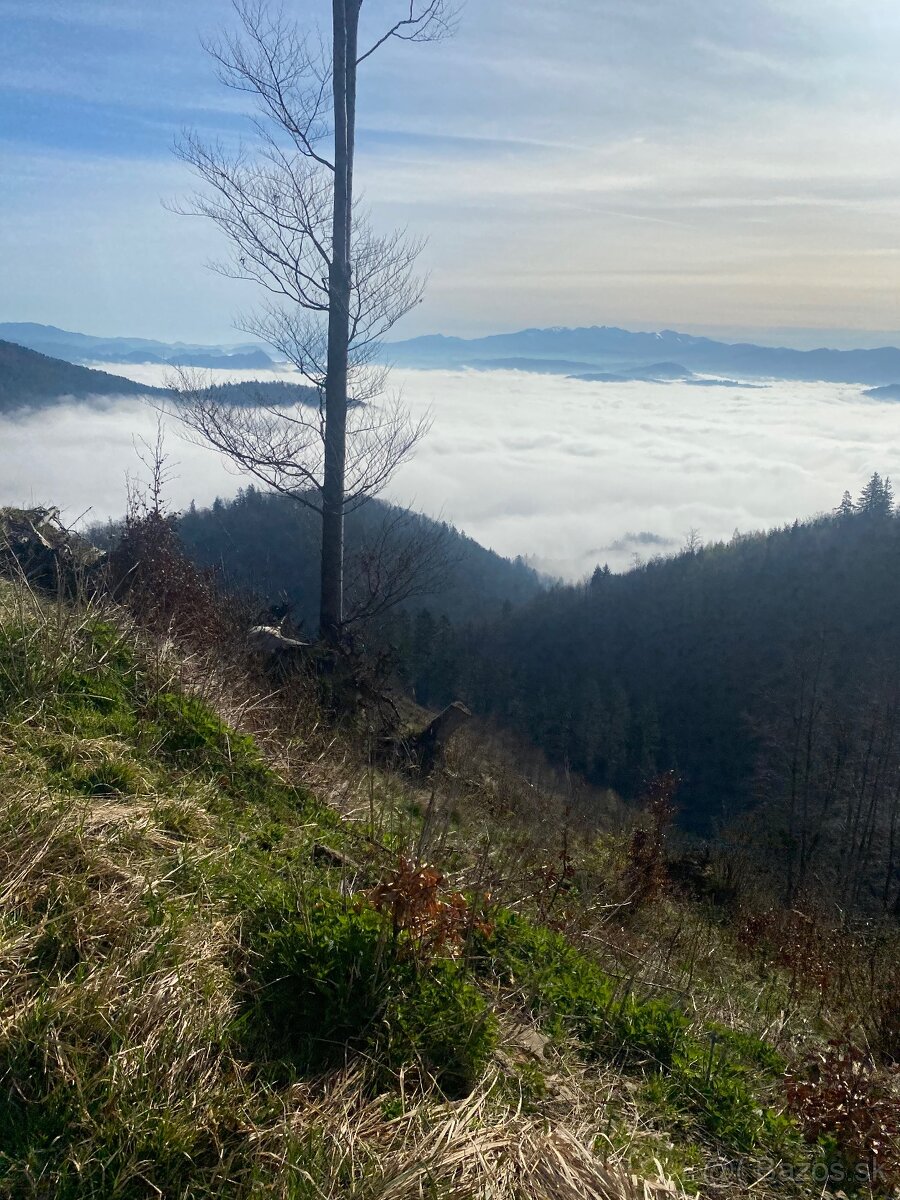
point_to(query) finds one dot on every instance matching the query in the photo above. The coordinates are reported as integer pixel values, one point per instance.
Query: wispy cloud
(746, 152)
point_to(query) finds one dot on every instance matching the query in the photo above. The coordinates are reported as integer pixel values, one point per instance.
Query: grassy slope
(199, 998)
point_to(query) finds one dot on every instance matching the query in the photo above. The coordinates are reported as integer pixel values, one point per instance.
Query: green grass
(332, 977)
(711, 1078)
(178, 968)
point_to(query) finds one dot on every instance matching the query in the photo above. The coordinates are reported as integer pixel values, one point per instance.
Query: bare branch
(405, 557)
(278, 65)
(425, 21)
(283, 447)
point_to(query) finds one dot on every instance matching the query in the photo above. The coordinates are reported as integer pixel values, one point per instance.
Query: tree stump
(428, 746)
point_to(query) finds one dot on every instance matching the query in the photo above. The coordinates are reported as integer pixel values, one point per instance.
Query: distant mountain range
(600, 354)
(602, 351)
(83, 348)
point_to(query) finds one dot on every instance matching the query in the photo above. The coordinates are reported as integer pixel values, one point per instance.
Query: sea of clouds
(563, 472)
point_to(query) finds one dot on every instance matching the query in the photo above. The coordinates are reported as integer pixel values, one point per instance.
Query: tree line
(265, 543)
(762, 670)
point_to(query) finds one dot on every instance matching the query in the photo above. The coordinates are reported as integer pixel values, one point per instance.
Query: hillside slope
(29, 379)
(227, 971)
(702, 663)
(270, 543)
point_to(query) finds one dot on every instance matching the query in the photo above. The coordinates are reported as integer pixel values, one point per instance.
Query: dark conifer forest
(269, 544)
(761, 670)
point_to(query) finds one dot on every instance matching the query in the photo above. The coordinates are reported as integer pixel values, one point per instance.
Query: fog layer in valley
(565, 472)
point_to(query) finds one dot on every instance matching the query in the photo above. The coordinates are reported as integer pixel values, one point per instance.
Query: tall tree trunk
(345, 14)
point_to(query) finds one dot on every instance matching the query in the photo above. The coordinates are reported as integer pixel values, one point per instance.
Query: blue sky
(695, 164)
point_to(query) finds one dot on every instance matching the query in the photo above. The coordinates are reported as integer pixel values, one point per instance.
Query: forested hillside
(762, 670)
(270, 544)
(28, 378)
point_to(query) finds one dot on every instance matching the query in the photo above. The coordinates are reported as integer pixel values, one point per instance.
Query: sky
(727, 166)
(565, 473)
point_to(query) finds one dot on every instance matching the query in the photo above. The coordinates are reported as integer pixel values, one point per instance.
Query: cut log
(268, 640)
(428, 746)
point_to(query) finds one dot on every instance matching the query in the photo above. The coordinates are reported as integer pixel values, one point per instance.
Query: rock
(532, 1042)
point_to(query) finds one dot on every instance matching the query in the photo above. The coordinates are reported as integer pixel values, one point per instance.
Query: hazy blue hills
(84, 348)
(603, 353)
(663, 372)
(263, 393)
(538, 366)
(29, 379)
(610, 350)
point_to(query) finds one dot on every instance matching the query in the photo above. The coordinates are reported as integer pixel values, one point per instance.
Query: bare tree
(336, 286)
(405, 556)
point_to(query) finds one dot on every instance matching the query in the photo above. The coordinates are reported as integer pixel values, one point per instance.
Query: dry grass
(476, 1149)
(132, 1018)
(123, 955)
(120, 968)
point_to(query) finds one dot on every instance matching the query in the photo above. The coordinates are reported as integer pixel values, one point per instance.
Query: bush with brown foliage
(646, 873)
(433, 922)
(839, 1095)
(150, 572)
(799, 942)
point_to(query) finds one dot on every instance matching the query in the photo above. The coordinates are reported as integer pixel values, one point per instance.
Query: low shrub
(841, 1099)
(646, 873)
(335, 979)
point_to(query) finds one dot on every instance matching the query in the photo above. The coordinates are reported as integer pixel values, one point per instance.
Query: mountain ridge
(31, 379)
(617, 350)
(607, 349)
(81, 348)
